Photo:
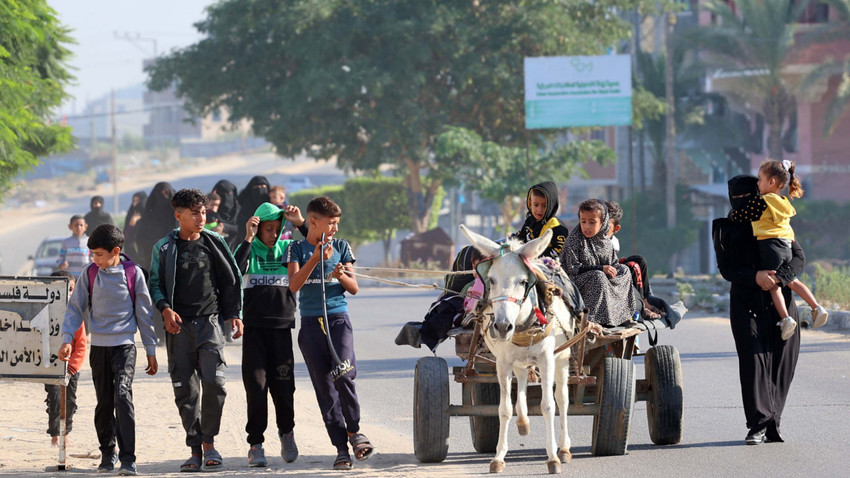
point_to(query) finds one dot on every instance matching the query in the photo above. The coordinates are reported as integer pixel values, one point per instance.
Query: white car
(44, 260)
(298, 183)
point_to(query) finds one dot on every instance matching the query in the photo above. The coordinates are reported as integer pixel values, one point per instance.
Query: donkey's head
(508, 281)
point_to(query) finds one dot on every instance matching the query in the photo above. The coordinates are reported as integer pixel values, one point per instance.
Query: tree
(503, 174)
(33, 75)
(374, 82)
(755, 40)
(832, 31)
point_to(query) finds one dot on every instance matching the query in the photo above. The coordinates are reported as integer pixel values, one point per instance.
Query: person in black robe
(228, 211)
(134, 213)
(250, 198)
(766, 363)
(156, 222)
(97, 215)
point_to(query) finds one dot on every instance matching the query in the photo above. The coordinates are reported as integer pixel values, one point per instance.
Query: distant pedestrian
(97, 216)
(157, 220)
(134, 213)
(74, 252)
(228, 211)
(250, 198)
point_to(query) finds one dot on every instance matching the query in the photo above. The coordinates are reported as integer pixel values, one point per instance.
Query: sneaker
(128, 469)
(257, 456)
(819, 317)
(755, 438)
(107, 463)
(787, 325)
(288, 448)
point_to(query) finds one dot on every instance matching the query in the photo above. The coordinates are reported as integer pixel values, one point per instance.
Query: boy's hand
(153, 366)
(251, 228)
(172, 321)
(293, 215)
(339, 270)
(609, 271)
(236, 327)
(64, 352)
(328, 250)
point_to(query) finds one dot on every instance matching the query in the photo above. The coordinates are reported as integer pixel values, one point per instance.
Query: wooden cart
(602, 383)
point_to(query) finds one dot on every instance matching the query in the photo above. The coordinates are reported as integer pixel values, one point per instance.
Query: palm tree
(754, 42)
(833, 31)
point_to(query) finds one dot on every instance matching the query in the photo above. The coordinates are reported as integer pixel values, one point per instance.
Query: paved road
(17, 243)
(816, 424)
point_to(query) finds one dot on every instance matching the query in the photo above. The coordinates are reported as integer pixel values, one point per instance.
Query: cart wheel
(615, 395)
(665, 402)
(431, 410)
(485, 430)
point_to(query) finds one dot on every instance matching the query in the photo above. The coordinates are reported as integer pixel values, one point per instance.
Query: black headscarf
(252, 195)
(550, 191)
(138, 208)
(156, 222)
(742, 188)
(229, 208)
(532, 228)
(97, 215)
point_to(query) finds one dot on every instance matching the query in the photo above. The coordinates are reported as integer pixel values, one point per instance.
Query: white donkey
(512, 334)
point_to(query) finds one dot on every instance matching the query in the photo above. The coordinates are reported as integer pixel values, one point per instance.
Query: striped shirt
(75, 251)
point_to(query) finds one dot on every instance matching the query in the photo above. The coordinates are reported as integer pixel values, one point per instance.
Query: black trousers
(766, 363)
(268, 368)
(54, 394)
(337, 398)
(196, 359)
(112, 371)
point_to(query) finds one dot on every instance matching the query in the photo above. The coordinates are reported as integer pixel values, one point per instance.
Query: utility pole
(670, 191)
(114, 155)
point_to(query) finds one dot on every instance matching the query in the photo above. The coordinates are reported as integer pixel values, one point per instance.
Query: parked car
(298, 183)
(44, 260)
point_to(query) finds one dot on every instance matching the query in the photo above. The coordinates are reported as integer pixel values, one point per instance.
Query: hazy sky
(103, 61)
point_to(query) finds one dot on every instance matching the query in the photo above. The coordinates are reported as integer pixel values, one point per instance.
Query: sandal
(212, 460)
(192, 465)
(343, 461)
(361, 446)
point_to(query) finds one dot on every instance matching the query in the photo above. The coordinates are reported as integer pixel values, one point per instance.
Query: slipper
(192, 465)
(212, 455)
(343, 461)
(361, 446)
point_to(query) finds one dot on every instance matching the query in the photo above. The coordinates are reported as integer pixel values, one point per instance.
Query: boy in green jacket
(269, 312)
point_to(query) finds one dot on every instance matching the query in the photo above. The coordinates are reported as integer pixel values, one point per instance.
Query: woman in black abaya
(766, 363)
(157, 221)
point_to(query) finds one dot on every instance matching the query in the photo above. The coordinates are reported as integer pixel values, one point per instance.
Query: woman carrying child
(589, 260)
(771, 215)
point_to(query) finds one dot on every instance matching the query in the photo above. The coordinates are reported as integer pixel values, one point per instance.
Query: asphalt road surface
(816, 422)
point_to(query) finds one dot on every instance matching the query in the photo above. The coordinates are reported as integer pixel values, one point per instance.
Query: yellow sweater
(775, 221)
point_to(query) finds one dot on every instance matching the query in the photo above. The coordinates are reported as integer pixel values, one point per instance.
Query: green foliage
(374, 82)
(504, 173)
(823, 229)
(832, 286)
(33, 75)
(654, 241)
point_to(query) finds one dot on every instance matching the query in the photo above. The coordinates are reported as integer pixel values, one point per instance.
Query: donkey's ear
(486, 246)
(533, 248)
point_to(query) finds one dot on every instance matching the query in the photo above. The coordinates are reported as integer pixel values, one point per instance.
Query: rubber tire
(485, 430)
(665, 406)
(615, 395)
(431, 410)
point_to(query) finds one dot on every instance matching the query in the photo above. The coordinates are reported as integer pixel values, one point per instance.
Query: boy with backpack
(116, 295)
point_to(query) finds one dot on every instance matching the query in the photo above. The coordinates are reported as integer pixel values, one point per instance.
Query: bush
(823, 229)
(832, 287)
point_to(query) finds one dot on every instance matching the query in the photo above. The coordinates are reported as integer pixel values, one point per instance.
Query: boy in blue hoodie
(269, 311)
(117, 310)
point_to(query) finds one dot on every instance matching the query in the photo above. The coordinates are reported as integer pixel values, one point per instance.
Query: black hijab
(97, 215)
(550, 191)
(742, 188)
(138, 208)
(229, 208)
(252, 196)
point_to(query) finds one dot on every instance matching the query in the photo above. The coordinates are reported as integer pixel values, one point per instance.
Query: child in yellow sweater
(771, 216)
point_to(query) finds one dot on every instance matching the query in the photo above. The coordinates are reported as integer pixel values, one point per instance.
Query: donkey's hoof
(523, 427)
(565, 455)
(554, 467)
(497, 466)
